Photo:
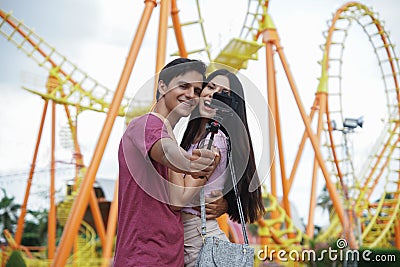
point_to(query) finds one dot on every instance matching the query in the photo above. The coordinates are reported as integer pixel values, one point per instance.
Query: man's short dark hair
(172, 70)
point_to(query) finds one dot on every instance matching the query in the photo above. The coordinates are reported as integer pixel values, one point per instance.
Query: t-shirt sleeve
(145, 132)
(155, 130)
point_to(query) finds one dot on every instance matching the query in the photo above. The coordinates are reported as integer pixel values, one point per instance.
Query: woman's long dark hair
(252, 204)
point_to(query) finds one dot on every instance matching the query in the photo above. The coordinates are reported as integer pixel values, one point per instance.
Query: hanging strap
(238, 202)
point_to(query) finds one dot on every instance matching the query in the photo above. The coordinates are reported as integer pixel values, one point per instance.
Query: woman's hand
(216, 205)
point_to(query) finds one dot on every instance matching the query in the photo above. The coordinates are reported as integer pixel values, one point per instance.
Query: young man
(149, 232)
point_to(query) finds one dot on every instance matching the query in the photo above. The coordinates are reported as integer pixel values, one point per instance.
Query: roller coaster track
(238, 51)
(85, 244)
(68, 84)
(86, 251)
(377, 220)
(65, 85)
(74, 87)
(278, 228)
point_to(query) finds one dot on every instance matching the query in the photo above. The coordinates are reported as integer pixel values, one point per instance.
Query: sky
(96, 36)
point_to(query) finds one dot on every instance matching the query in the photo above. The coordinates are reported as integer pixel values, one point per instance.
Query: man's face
(182, 94)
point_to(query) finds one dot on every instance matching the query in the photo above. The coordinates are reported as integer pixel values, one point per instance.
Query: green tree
(35, 231)
(8, 212)
(16, 260)
(325, 201)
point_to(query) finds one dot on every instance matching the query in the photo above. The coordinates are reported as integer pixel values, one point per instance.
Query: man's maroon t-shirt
(149, 233)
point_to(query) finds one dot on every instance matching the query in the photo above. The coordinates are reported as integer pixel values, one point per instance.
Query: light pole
(349, 126)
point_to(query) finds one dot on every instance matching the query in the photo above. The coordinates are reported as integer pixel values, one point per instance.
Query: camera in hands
(222, 102)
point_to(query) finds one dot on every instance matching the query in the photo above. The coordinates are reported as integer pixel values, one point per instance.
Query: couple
(157, 177)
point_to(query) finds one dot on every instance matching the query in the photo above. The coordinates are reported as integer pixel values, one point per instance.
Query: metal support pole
(82, 200)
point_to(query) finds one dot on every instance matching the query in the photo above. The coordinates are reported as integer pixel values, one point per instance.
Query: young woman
(233, 124)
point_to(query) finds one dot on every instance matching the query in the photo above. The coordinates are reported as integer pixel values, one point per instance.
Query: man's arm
(167, 152)
(180, 193)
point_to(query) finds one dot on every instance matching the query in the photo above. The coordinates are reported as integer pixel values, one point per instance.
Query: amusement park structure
(355, 216)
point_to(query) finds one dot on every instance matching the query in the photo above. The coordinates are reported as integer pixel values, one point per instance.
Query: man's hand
(203, 162)
(216, 205)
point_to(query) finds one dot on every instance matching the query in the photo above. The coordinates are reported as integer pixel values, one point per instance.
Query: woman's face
(218, 84)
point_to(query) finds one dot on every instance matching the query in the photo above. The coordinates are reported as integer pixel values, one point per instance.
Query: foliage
(8, 212)
(253, 229)
(30, 239)
(35, 229)
(324, 200)
(16, 260)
